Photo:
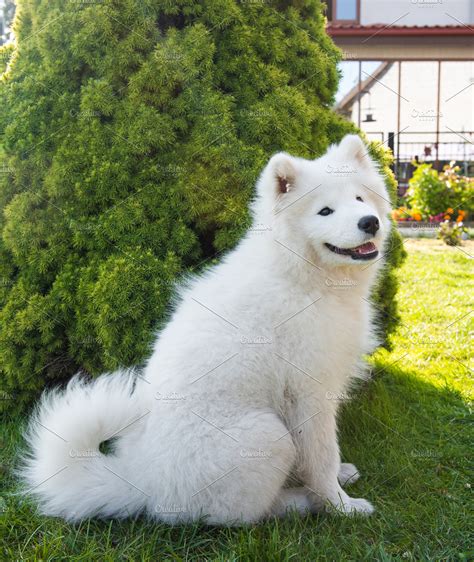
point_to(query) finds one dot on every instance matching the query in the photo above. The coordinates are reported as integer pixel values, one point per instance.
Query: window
(345, 10)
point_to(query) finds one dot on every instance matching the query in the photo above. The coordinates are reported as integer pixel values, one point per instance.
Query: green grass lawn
(408, 431)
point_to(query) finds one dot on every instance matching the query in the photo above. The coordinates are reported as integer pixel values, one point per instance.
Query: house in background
(413, 73)
(421, 113)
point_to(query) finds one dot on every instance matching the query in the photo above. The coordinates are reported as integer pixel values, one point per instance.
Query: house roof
(350, 29)
(349, 99)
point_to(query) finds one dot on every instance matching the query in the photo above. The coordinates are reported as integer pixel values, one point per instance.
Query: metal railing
(434, 147)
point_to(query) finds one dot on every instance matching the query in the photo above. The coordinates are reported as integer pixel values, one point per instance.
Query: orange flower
(449, 210)
(417, 216)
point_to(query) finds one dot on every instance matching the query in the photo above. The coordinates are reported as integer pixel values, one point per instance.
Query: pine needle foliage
(132, 134)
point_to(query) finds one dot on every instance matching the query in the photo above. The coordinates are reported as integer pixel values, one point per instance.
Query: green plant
(133, 136)
(451, 232)
(6, 53)
(433, 192)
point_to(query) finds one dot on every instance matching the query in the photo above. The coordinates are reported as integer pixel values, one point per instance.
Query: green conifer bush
(132, 134)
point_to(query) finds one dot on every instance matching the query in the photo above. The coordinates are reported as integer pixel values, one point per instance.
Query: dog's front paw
(351, 506)
(348, 474)
(359, 505)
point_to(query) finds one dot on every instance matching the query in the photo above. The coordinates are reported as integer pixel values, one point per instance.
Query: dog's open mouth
(367, 251)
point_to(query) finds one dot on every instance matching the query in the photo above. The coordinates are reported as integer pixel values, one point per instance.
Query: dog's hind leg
(292, 499)
(240, 473)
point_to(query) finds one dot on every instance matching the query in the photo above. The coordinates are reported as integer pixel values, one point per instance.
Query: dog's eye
(359, 198)
(325, 211)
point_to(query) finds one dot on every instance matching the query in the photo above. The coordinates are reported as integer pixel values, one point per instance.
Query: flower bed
(404, 214)
(439, 200)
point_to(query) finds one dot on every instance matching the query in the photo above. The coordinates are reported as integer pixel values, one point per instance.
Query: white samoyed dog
(240, 392)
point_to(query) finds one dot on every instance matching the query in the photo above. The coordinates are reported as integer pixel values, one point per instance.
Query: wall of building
(417, 12)
(418, 105)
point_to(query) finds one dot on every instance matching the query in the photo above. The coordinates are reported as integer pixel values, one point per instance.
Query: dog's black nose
(369, 224)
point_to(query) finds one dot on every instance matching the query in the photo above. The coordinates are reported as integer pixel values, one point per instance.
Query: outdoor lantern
(369, 118)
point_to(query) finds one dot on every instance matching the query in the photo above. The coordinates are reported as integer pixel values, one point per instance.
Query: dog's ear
(281, 173)
(353, 148)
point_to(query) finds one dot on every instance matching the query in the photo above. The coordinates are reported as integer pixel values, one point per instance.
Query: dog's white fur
(240, 390)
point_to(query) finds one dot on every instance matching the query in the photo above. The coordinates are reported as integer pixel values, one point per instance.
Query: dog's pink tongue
(366, 248)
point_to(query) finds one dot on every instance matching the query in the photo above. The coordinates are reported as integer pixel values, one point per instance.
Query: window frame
(334, 13)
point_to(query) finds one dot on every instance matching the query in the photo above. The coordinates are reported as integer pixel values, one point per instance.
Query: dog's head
(336, 204)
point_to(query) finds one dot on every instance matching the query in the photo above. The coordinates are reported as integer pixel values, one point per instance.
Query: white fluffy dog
(239, 391)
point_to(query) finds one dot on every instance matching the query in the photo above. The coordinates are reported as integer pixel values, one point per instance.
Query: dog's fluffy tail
(64, 468)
